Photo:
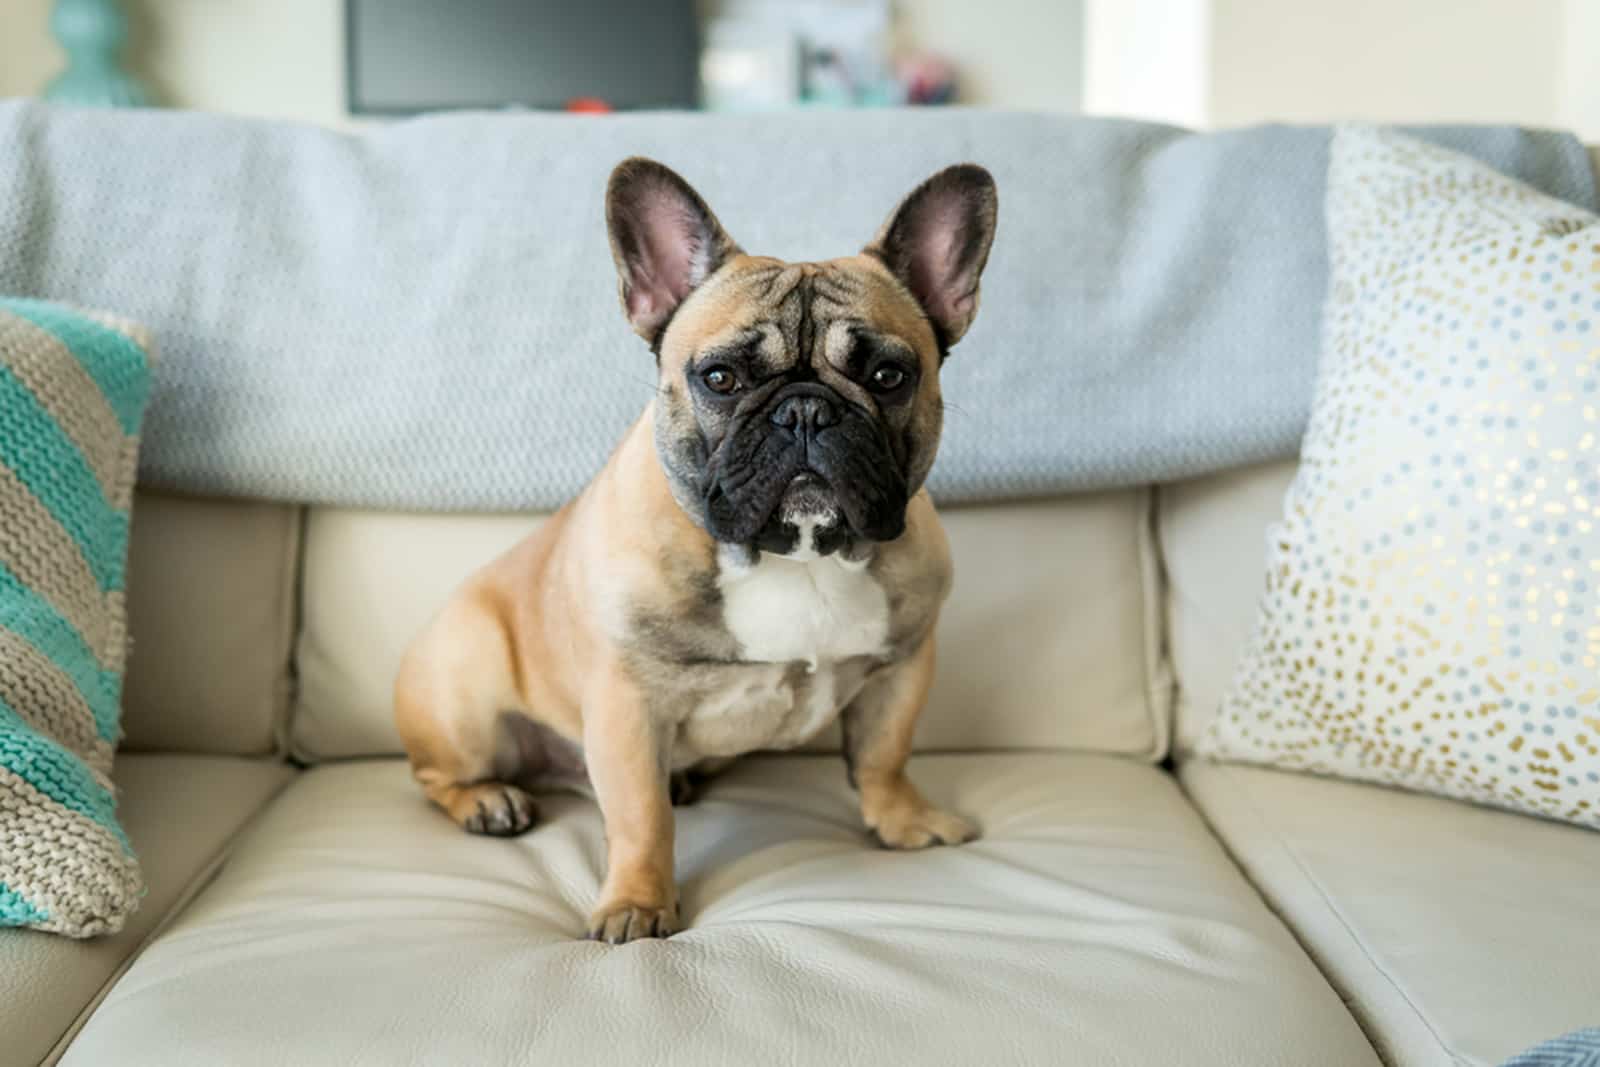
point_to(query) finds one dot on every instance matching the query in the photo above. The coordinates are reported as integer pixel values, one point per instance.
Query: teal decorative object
(93, 32)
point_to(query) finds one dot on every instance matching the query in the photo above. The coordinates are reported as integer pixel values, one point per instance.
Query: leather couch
(1125, 905)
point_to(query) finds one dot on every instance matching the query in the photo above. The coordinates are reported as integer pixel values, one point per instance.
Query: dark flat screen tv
(407, 56)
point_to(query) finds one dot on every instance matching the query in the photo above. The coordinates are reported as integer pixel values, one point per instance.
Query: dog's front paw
(899, 817)
(922, 827)
(617, 924)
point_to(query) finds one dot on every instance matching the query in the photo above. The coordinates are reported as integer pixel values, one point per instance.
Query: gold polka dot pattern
(1430, 618)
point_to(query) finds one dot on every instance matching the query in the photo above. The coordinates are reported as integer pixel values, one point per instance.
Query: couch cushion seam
(1154, 657)
(285, 689)
(1288, 850)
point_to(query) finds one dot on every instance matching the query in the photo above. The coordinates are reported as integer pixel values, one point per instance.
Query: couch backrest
(1051, 638)
(1213, 535)
(211, 610)
(263, 627)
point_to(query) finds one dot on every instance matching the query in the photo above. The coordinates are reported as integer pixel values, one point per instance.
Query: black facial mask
(803, 428)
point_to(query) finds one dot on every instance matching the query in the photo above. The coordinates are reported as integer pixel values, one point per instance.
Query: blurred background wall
(1204, 63)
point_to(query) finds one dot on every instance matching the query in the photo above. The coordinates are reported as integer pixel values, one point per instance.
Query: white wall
(1388, 60)
(278, 58)
(1148, 59)
(1580, 70)
(28, 57)
(1011, 53)
(1234, 62)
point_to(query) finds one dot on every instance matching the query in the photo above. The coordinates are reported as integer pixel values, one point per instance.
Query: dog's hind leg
(453, 686)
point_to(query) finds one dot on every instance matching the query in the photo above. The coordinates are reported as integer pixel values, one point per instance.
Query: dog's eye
(887, 379)
(720, 380)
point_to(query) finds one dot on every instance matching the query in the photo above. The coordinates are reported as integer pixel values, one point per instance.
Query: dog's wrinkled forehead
(773, 317)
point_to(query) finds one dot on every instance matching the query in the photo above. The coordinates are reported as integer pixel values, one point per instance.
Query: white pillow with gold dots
(1432, 612)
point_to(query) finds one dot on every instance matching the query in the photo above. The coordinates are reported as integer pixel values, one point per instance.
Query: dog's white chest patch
(827, 616)
(818, 610)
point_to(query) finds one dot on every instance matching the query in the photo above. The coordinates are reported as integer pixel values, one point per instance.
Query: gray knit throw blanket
(424, 315)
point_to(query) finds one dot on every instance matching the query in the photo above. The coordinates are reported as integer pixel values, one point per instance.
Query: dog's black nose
(806, 411)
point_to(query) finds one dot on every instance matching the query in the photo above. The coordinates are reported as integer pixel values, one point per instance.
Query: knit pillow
(1432, 611)
(72, 392)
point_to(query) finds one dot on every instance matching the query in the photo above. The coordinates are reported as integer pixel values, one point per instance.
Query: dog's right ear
(664, 239)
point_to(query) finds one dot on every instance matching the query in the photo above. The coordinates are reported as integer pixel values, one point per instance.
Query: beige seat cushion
(1457, 934)
(210, 619)
(1051, 638)
(179, 812)
(1213, 534)
(1097, 921)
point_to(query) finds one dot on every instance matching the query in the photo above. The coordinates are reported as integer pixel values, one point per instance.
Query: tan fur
(558, 630)
(537, 632)
(879, 725)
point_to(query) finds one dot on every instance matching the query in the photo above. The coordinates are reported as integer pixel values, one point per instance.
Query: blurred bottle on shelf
(92, 33)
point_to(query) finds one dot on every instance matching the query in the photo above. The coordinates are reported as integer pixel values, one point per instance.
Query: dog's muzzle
(806, 464)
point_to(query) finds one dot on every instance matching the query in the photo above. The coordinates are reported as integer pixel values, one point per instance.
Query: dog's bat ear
(937, 242)
(664, 239)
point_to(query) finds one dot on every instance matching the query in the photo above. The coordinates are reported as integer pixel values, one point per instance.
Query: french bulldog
(757, 558)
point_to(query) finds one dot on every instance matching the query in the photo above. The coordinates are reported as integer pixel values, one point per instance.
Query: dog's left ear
(937, 242)
(664, 239)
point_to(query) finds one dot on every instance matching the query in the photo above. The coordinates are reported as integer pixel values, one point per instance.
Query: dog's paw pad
(496, 810)
(923, 828)
(619, 924)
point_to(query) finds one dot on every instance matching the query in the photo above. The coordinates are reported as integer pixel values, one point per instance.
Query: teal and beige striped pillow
(73, 388)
